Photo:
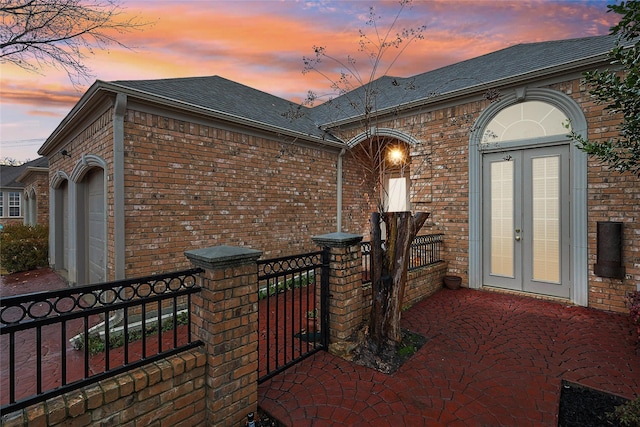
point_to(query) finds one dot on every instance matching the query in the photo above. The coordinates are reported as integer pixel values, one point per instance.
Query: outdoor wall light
(65, 153)
(396, 155)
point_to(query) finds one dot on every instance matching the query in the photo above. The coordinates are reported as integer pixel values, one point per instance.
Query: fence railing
(425, 250)
(55, 342)
(292, 310)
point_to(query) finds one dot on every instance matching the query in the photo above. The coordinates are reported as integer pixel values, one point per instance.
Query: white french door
(526, 220)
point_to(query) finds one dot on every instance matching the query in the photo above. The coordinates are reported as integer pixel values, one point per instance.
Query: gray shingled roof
(230, 98)
(484, 72)
(241, 104)
(9, 174)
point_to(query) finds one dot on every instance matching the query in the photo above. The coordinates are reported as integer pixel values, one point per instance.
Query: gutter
(339, 192)
(119, 110)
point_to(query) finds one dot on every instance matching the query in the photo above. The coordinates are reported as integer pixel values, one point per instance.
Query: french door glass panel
(502, 219)
(546, 218)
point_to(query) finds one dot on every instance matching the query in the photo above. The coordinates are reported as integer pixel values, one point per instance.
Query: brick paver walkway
(490, 360)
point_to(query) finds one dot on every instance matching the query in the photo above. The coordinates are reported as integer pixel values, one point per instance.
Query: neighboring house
(141, 171)
(24, 193)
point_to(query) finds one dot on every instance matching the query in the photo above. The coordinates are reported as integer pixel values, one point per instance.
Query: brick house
(141, 171)
(24, 193)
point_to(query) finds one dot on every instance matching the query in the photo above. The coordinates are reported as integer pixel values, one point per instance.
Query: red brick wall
(12, 221)
(39, 181)
(440, 179)
(611, 196)
(166, 393)
(94, 136)
(191, 186)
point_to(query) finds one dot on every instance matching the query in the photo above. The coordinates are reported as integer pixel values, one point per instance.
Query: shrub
(24, 247)
(628, 414)
(633, 302)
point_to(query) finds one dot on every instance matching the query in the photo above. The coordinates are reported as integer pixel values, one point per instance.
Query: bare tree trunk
(389, 275)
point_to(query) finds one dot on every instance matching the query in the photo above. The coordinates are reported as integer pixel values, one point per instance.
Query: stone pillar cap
(222, 256)
(337, 240)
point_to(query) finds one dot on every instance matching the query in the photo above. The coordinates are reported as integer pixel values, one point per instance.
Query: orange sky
(261, 44)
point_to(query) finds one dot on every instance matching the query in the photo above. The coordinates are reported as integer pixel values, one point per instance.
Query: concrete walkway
(490, 360)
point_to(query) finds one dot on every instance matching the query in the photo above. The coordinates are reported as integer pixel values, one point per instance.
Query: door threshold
(560, 300)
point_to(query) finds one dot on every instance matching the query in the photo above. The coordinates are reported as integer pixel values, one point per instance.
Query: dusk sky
(261, 44)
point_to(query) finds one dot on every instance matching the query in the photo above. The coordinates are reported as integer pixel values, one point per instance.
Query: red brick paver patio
(490, 360)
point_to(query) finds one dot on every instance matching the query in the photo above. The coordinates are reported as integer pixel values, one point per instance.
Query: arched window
(525, 120)
(31, 207)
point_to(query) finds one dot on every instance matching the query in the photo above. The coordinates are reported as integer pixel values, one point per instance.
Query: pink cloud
(41, 95)
(261, 44)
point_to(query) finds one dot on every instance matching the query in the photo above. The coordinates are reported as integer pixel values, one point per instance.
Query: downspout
(339, 192)
(119, 109)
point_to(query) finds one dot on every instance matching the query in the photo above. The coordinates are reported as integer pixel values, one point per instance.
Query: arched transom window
(526, 120)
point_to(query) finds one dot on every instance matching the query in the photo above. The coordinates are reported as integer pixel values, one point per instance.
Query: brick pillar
(225, 318)
(345, 287)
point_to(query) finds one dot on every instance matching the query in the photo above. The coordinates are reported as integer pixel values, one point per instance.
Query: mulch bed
(265, 420)
(582, 406)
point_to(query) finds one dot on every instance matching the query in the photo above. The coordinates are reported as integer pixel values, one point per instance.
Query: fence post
(345, 287)
(225, 318)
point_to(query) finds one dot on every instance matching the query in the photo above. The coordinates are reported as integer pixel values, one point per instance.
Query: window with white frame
(10, 204)
(14, 203)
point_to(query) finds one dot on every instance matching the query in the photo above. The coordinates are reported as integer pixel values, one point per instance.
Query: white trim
(392, 133)
(119, 111)
(58, 179)
(78, 268)
(56, 238)
(87, 162)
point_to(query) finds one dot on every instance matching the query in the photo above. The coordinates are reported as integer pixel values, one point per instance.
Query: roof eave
(88, 99)
(220, 115)
(92, 96)
(29, 170)
(574, 66)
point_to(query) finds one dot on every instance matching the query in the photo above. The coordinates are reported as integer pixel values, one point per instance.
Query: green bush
(24, 247)
(633, 302)
(627, 415)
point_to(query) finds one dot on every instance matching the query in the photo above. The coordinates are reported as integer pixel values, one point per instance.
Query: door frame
(78, 273)
(522, 276)
(578, 186)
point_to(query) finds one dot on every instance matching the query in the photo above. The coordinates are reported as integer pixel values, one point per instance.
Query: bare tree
(10, 161)
(360, 97)
(60, 33)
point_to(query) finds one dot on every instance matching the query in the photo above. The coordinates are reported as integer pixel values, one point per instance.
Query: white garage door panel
(96, 227)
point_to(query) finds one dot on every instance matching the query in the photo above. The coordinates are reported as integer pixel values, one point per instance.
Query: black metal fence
(292, 310)
(55, 342)
(425, 250)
